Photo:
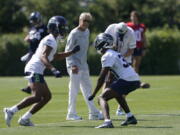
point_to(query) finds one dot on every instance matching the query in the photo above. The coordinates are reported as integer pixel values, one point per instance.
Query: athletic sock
(14, 109)
(27, 115)
(107, 120)
(129, 114)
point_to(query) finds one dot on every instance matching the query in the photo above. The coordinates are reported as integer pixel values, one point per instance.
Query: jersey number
(125, 64)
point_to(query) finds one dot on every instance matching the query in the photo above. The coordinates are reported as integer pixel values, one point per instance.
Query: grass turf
(157, 109)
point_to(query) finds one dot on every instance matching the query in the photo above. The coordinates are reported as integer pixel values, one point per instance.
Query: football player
(125, 43)
(37, 32)
(139, 30)
(34, 69)
(127, 80)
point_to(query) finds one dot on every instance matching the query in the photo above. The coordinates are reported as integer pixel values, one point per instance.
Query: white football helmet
(122, 28)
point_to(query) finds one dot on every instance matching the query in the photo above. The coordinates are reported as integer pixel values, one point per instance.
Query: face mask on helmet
(35, 18)
(103, 41)
(57, 25)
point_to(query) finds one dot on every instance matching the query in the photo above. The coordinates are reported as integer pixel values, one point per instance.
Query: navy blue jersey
(35, 36)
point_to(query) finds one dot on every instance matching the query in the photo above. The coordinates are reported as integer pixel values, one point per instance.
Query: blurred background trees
(162, 18)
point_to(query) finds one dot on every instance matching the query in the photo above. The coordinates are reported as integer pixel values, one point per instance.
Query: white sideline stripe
(49, 124)
(57, 123)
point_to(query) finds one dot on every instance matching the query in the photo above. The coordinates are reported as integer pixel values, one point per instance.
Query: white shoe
(73, 117)
(120, 112)
(97, 116)
(25, 57)
(25, 122)
(8, 115)
(106, 125)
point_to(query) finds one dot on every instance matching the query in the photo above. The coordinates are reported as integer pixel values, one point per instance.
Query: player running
(34, 69)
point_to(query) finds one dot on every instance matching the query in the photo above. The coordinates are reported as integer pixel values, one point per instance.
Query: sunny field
(157, 109)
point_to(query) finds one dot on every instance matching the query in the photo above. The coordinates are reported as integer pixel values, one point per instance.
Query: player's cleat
(106, 125)
(144, 85)
(8, 116)
(119, 112)
(25, 122)
(73, 117)
(130, 120)
(97, 116)
(26, 90)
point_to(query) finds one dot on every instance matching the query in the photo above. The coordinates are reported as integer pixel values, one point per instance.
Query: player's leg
(123, 87)
(43, 94)
(28, 88)
(74, 86)
(137, 62)
(137, 58)
(36, 81)
(86, 87)
(103, 101)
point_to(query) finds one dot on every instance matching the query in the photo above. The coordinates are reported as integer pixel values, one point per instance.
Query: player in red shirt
(139, 29)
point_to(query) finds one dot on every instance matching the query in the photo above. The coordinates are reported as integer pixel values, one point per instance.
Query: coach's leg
(74, 86)
(86, 87)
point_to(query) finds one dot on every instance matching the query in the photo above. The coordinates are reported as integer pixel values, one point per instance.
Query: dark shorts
(34, 77)
(138, 52)
(124, 87)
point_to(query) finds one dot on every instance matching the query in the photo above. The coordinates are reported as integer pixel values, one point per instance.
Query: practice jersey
(35, 65)
(35, 36)
(118, 65)
(139, 30)
(127, 42)
(81, 38)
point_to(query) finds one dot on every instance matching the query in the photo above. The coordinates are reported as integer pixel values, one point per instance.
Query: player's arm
(63, 55)
(100, 81)
(46, 62)
(44, 57)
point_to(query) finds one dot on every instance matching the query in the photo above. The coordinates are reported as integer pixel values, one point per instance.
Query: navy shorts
(138, 52)
(34, 77)
(124, 87)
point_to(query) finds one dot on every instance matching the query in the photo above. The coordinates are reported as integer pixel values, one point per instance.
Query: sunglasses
(88, 21)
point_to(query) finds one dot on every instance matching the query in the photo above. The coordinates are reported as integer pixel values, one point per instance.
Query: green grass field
(157, 109)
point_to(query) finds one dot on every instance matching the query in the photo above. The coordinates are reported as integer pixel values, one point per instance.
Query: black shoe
(145, 85)
(26, 90)
(106, 125)
(130, 120)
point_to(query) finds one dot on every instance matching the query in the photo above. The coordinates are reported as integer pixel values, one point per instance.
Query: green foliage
(11, 49)
(162, 57)
(163, 53)
(12, 16)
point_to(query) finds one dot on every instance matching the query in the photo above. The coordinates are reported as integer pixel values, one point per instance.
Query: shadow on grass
(84, 126)
(148, 127)
(160, 114)
(59, 93)
(145, 127)
(137, 119)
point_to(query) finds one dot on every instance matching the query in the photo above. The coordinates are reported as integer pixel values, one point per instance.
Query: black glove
(76, 49)
(91, 97)
(56, 72)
